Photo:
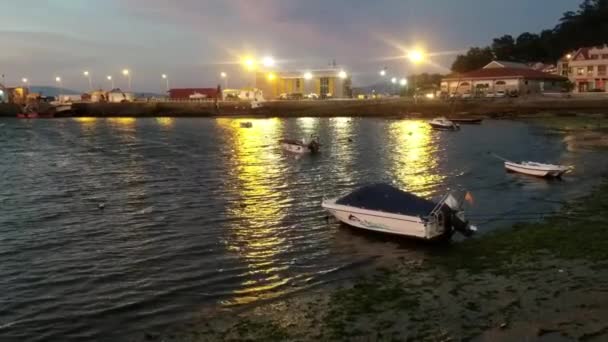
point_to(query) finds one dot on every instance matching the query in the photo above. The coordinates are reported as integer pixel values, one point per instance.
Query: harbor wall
(377, 108)
(9, 110)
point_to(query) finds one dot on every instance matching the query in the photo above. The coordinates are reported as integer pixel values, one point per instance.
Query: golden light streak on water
(255, 238)
(415, 162)
(86, 121)
(165, 121)
(122, 121)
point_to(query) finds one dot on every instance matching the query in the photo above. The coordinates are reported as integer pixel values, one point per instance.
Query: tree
(474, 59)
(504, 47)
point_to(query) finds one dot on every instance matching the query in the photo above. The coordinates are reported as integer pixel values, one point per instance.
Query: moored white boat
(384, 208)
(537, 169)
(443, 124)
(300, 146)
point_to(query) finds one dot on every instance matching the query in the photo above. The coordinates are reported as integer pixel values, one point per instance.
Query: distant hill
(52, 91)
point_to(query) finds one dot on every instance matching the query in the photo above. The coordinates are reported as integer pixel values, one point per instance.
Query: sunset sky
(193, 40)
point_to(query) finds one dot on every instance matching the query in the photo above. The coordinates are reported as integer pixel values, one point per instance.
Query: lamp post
(111, 81)
(88, 76)
(24, 80)
(307, 77)
(225, 77)
(58, 80)
(127, 74)
(166, 78)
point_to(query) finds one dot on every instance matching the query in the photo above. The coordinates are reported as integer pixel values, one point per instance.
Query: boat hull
(440, 127)
(534, 171)
(382, 222)
(295, 148)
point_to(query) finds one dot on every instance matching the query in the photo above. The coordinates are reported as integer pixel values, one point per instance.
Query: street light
(416, 56)
(403, 82)
(248, 63)
(271, 76)
(225, 77)
(342, 74)
(383, 72)
(24, 80)
(127, 73)
(268, 61)
(111, 81)
(58, 80)
(394, 80)
(308, 75)
(88, 75)
(166, 78)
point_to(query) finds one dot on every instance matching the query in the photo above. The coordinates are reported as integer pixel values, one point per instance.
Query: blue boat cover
(386, 198)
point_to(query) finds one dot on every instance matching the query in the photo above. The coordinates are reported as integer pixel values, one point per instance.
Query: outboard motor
(456, 216)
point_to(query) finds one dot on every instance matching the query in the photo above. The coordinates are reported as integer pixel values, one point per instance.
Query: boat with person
(311, 145)
(443, 124)
(537, 169)
(386, 209)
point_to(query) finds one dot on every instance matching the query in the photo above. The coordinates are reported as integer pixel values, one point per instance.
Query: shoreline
(386, 108)
(537, 281)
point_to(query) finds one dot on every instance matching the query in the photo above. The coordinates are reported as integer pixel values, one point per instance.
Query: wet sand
(544, 281)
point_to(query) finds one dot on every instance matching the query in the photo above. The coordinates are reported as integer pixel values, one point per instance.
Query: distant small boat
(386, 209)
(301, 146)
(537, 169)
(443, 124)
(246, 124)
(467, 121)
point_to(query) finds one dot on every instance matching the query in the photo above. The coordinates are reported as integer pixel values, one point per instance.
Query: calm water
(203, 214)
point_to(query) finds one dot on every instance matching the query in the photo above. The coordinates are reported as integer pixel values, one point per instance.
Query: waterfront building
(324, 83)
(504, 78)
(586, 68)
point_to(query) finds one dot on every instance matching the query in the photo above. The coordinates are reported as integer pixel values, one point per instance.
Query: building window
(594, 56)
(601, 70)
(590, 70)
(526, 83)
(580, 71)
(605, 56)
(324, 89)
(298, 84)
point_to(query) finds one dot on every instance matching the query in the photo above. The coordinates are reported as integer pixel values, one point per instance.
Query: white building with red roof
(504, 78)
(587, 68)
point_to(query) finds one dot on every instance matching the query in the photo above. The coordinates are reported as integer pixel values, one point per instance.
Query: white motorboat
(384, 208)
(443, 124)
(301, 146)
(537, 169)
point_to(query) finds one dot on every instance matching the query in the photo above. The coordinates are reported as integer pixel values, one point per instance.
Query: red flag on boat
(469, 198)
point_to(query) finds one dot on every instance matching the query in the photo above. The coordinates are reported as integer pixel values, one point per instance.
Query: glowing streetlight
(58, 80)
(268, 61)
(383, 72)
(308, 75)
(394, 80)
(403, 82)
(225, 77)
(127, 74)
(569, 56)
(111, 81)
(271, 76)
(88, 75)
(24, 80)
(166, 78)
(342, 74)
(248, 63)
(415, 56)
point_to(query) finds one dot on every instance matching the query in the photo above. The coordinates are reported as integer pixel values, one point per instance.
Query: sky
(192, 41)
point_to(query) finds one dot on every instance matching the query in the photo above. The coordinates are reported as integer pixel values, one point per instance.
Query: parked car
(467, 95)
(290, 96)
(312, 96)
(500, 93)
(490, 94)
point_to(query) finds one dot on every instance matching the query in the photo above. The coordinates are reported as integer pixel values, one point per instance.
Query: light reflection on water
(201, 212)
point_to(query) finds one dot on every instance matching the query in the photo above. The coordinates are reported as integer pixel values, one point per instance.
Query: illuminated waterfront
(201, 214)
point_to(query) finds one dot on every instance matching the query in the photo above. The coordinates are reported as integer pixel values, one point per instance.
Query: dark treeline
(586, 27)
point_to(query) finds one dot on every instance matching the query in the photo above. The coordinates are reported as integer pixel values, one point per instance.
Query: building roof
(494, 73)
(506, 64)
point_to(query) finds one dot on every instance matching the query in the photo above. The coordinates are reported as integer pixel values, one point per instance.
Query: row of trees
(586, 27)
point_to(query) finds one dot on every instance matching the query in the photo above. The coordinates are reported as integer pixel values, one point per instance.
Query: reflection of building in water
(257, 212)
(308, 125)
(414, 162)
(342, 150)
